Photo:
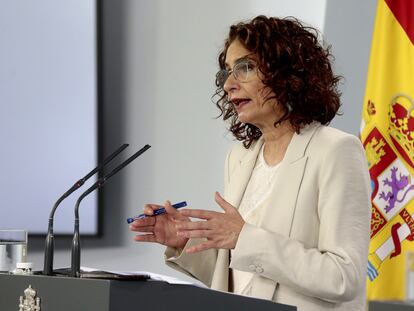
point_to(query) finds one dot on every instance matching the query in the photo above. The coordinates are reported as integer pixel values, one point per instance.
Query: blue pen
(157, 212)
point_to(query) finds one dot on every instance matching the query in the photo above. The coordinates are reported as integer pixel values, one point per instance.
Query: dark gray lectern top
(391, 306)
(70, 294)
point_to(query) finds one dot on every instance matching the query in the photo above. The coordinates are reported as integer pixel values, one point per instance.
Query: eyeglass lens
(241, 72)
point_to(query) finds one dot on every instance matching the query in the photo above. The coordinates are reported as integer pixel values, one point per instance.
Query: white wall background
(159, 67)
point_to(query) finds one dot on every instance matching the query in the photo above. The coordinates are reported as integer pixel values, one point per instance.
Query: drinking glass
(13, 248)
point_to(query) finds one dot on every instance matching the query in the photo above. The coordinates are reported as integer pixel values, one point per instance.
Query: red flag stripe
(396, 240)
(403, 11)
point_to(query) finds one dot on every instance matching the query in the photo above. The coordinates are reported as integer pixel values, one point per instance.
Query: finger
(175, 215)
(169, 208)
(196, 225)
(150, 208)
(145, 238)
(194, 233)
(198, 213)
(143, 222)
(200, 247)
(226, 206)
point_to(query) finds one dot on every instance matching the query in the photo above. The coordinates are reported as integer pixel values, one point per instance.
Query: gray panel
(390, 306)
(48, 111)
(348, 28)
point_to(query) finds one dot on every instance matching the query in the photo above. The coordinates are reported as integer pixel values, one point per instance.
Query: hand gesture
(220, 229)
(161, 228)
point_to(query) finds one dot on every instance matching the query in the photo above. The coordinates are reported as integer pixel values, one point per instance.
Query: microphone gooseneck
(75, 263)
(49, 243)
(76, 247)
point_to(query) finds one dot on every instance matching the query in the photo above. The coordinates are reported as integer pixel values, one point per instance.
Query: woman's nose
(230, 84)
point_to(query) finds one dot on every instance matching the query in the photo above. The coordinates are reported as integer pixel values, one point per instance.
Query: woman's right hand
(160, 229)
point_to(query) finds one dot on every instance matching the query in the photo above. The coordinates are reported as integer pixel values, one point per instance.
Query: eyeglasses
(242, 72)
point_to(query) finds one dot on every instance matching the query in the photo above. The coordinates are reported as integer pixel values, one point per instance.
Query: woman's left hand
(220, 229)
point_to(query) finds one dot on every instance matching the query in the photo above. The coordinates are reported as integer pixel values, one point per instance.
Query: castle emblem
(374, 151)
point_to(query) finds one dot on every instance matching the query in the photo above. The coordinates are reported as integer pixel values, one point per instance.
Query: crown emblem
(29, 302)
(30, 292)
(401, 126)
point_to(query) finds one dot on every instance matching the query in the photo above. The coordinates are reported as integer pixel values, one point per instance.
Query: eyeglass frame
(226, 73)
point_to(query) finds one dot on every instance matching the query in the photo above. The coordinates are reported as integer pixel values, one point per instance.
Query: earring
(289, 108)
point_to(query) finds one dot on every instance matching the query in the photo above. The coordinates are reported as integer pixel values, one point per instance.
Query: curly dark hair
(295, 67)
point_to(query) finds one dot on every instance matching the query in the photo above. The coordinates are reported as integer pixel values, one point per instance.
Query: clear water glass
(13, 248)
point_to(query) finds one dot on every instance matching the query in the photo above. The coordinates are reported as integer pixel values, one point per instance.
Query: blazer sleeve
(199, 266)
(335, 269)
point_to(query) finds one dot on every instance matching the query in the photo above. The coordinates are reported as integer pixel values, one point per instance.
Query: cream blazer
(309, 248)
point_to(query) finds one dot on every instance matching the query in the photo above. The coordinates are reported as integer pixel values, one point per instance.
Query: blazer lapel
(286, 188)
(278, 214)
(300, 142)
(241, 172)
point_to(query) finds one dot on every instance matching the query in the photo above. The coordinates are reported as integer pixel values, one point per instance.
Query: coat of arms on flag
(387, 133)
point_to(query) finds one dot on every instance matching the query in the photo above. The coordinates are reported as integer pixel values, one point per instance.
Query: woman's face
(248, 96)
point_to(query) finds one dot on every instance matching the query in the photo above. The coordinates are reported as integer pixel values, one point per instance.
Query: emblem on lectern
(29, 302)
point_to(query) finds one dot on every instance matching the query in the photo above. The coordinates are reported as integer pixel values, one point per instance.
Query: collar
(296, 149)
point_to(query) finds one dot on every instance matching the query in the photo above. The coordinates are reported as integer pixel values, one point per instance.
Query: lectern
(58, 293)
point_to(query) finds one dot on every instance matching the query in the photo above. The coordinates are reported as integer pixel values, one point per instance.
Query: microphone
(49, 243)
(75, 264)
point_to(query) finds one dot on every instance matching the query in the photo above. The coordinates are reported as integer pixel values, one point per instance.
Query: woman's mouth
(239, 103)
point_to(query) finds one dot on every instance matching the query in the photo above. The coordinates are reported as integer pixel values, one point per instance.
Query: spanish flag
(387, 133)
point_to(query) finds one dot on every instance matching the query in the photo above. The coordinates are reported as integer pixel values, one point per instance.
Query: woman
(296, 209)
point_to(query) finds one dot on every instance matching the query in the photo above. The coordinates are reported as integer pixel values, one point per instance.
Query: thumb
(226, 206)
(176, 216)
(169, 209)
